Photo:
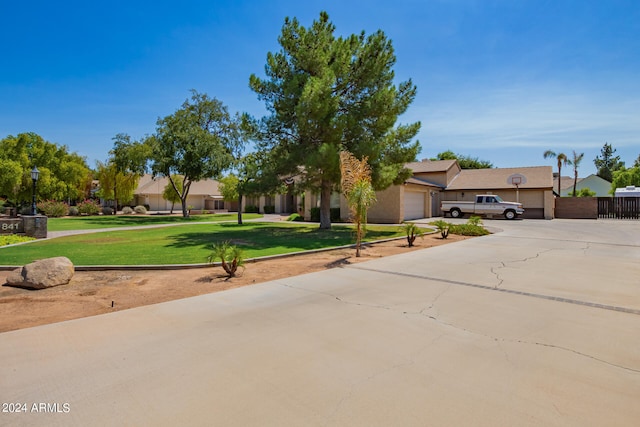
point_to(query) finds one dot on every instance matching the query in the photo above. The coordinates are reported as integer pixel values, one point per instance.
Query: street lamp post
(35, 173)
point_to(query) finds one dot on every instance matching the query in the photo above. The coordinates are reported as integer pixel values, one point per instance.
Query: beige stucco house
(418, 197)
(203, 195)
(433, 181)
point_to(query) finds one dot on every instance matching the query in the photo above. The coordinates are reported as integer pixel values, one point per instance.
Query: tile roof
(489, 179)
(420, 181)
(567, 182)
(431, 165)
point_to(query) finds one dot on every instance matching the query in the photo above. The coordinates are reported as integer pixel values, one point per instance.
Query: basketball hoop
(517, 180)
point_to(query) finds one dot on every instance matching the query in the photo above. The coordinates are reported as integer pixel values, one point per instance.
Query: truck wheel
(455, 213)
(510, 214)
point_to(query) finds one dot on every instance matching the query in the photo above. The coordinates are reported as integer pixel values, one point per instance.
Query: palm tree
(358, 190)
(562, 159)
(577, 158)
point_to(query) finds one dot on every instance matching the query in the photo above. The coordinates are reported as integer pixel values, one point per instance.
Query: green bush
(11, 239)
(270, 209)
(127, 210)
(251, 209)
(315, 214)
(107, 210)
(334, 214)
(474, 220)
(89, 207)
(73, 211)
(295, 217)
(25, 210)
(53, 209)
(140, 210)
(468, 230)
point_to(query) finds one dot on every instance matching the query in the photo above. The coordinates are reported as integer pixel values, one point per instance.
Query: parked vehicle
(485, 204)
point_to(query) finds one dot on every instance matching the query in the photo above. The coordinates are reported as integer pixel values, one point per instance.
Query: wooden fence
(619, 207)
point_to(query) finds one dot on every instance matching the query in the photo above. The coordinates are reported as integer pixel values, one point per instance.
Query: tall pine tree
(326, 94)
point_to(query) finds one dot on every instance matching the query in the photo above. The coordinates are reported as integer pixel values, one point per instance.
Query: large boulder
(42, 274)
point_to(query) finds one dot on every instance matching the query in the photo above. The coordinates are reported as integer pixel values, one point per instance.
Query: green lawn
(188, 244)
(113, 221)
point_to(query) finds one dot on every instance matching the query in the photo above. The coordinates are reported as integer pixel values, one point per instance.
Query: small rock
(42, 274)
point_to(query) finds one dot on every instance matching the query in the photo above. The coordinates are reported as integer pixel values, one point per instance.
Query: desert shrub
(270, 209)
(468, 230)
(140, 210)
(251, 209)
(230, 256)
(127, 210)
(295, 217)
(73, 211)
(107, 210)
(89, 207)
(443, 227)
(53, 209)
(412, 231)
(474, 220)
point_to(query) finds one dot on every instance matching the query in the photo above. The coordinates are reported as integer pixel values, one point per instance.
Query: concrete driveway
(536, 325)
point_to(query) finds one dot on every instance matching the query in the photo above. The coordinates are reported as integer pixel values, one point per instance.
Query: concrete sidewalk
(536, 325)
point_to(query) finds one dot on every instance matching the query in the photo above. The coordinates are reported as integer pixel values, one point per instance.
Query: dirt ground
(96, 292)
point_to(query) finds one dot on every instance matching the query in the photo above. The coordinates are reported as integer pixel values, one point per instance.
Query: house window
(218, 205)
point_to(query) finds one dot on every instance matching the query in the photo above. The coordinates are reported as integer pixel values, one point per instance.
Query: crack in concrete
(423, 313)
(497, 274)
(508, 291)
(498, 340)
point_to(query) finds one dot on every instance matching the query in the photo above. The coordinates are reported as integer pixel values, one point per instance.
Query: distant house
(203, 195)
(593, 182)
(433, 181)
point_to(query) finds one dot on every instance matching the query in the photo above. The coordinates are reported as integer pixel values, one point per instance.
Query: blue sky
(501, 80)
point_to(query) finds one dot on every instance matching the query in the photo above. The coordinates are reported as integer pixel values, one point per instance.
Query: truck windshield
(498, 199)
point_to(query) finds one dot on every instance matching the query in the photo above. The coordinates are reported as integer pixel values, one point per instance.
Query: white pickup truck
(485, 204)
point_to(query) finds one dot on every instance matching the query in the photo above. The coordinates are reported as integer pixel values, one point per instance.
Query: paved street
(536, 325)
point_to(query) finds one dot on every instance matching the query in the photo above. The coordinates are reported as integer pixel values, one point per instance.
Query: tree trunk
(115, 199)
(559, 178)
(185, 211)
(325, 205)
(239, 209)
(358, 238)
(575, 183)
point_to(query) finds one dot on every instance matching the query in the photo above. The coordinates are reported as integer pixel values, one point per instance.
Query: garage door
(413, 205)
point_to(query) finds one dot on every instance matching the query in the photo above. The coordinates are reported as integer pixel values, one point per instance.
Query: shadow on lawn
(258, 237)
